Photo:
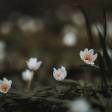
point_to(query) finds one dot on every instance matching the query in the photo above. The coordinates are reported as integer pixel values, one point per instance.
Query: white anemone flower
(33, 64)
(88, 56)
(80, 105)
(5, 85)
(27, 75)
(60, 74)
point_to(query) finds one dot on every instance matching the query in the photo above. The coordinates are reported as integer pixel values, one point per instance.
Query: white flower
(27, 24)
(69, 36)
(60, 74)
(27, 75)
(33, 64)
(70, 39)
(80, 105)
(5, 85)
(88, 56)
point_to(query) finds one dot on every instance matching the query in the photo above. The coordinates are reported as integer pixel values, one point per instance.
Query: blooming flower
(33, 64)
(80, 105)
(27, 75)
(5, 85)
(60, 74)
(88, 56)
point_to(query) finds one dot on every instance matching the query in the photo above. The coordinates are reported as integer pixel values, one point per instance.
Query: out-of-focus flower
(39, 24)
(88, 56)
(78, 18)
(80, 105)
(33, 64)
(69, 36)
(5, 85)
(64, 13)
(60, 74)
(6, 27)
(70, 39)
(30, 25)
(27, 75)
(27, 24)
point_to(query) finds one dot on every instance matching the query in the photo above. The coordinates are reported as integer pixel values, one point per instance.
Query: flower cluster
(88, 56)
(33, 64)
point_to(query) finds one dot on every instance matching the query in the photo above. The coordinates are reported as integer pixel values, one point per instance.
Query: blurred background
(54, 31)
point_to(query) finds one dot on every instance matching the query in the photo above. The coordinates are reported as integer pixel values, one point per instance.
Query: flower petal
(81, 55)
(91, 51)
(86, 50)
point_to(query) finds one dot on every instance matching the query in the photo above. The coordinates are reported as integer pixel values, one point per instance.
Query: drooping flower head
(27, 75)
(88, 56)
(5, 85)
(59, 74)
(33, 64)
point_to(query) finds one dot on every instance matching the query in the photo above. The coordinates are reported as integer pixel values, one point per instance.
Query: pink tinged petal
(57, 75)
(87, 62)
(4, 88)
(85, 50)
(91, 51)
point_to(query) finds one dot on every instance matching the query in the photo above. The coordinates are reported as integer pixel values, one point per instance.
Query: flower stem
(29, 85)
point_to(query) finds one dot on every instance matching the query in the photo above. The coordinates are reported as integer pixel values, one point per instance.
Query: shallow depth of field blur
(54, 31)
